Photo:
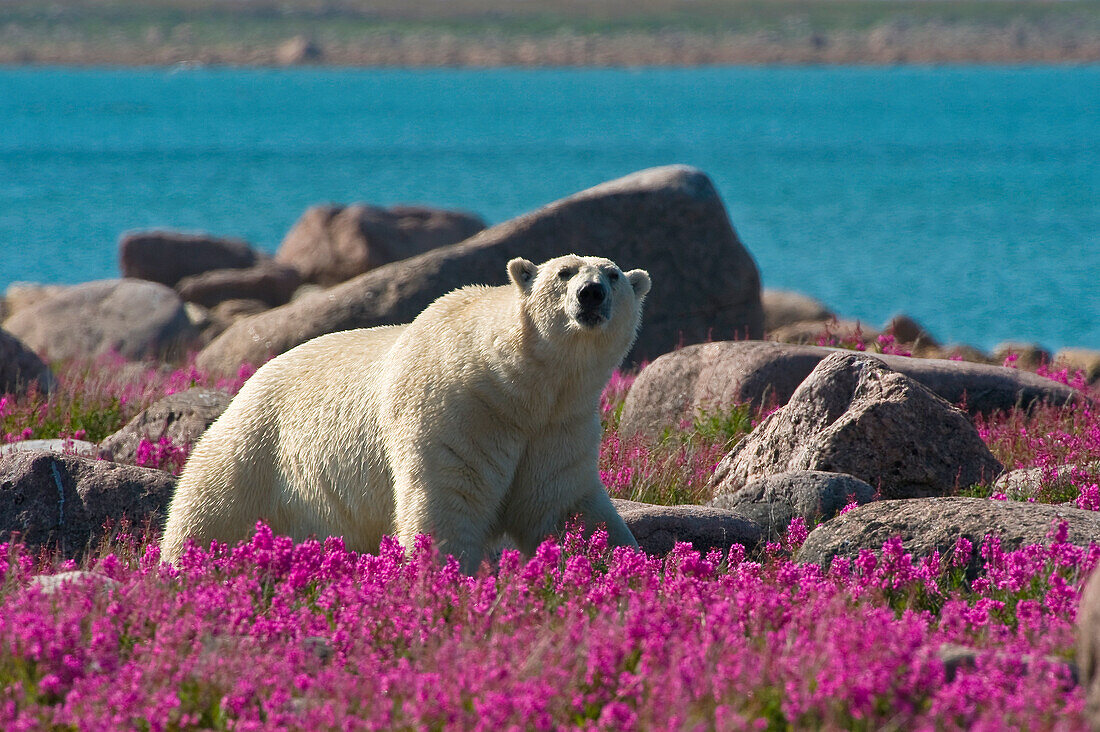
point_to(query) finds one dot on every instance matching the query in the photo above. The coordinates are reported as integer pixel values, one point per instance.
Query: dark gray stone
(775, 500)
(658, 528)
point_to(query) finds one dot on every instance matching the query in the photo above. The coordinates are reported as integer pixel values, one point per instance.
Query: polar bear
(480, 418)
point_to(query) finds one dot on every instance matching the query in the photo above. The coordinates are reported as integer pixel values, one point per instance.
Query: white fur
(479, 418)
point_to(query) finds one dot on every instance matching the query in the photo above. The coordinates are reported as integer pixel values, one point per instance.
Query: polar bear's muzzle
(592, 305)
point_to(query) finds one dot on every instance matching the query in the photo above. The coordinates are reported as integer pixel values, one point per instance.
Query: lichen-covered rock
(855, 415)
(181, 418)
(63, 501)
(936, 524)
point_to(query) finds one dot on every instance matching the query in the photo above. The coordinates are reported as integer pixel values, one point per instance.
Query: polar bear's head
(583, 296)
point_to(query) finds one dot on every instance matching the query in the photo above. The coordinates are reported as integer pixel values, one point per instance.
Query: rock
(815, 496)
(134, 318)
(956, 658)
(331, 244)
(829, 333)
(205, 323)
(1025, 483)
(717, 376)
(855, 415)
(21, 295)
(908, 331)
(270, 282)
(181, 417)
(20, 368)
(49, 584)
(60, 445)
(935, 524)
(658, 528)
(669, 221)
(1028, 356)
(233, 310)
(297, 50)
(1088, 648)
(168, 256)
(64, 500)
(954, 352)
(783, 307)
(1079, 359)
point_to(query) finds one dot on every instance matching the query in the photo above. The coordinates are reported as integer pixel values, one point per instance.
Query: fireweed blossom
(272, 634)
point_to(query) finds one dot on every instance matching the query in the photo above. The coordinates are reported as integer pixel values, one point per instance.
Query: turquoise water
(966, 197)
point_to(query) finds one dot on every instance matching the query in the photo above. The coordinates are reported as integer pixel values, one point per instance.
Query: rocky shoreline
(1019, 42)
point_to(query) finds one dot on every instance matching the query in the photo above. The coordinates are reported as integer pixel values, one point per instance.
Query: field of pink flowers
(311, 636)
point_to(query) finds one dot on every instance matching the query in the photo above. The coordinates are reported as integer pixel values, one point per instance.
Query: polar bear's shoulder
(469, 305)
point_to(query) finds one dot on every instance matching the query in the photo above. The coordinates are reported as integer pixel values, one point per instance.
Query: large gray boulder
(812, 495)
(935, 524)
(168, 256)
(855, 415)
(718, 376)
(331, 244)
(134, 318)
(20, 367)
(63, 501)
(669, 221)
(181, 418)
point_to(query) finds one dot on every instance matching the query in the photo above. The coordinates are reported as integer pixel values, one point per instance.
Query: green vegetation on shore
(385, 32)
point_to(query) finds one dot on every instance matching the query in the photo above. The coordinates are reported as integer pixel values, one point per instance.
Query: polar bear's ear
(639, 280)
(522, 273)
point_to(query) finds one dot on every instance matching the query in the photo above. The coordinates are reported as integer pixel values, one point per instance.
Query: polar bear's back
(298, 447)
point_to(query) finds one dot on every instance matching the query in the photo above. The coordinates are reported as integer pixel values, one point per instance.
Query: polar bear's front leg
(456, 528)
(558, 479)
(596, 509)
(451, 486)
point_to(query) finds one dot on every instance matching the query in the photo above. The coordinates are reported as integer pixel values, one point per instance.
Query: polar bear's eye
(613, 276)
(565, 273)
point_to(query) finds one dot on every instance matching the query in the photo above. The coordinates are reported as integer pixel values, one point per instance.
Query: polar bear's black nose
(591, 295)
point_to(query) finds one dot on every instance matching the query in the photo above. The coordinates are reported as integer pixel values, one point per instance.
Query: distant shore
(882, 45)
(495, 33)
